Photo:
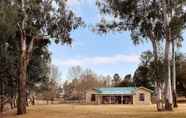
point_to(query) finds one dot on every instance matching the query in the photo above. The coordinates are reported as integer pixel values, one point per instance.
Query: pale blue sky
(106, 54)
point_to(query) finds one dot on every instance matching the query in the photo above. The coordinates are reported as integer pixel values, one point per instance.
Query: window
(141, 97)
(93, 97)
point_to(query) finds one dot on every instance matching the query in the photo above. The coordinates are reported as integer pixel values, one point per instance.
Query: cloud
(99, 60)
(75, 3)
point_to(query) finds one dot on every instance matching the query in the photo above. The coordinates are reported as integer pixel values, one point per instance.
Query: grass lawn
(99, 111)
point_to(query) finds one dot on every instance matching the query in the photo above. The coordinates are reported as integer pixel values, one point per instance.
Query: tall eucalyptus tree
(148, 19)
(36, 22)
(173, 24)
(143, 19)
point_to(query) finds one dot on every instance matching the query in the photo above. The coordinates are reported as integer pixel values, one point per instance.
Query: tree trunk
(168, 87)
(11, 103)
(1, 96)
(158, 89)
(27, 102)
(52, 100)
(159, 101)
(21, 102)
(24, 59)
(174, 75)
(33, 100)
(12, 95)
(15, 102)
(1, 107)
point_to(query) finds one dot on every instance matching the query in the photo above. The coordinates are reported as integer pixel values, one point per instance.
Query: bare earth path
(99, 111)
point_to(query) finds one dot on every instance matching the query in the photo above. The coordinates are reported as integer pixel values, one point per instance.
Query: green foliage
(38, 68)
(181, 75)
(146, 74)
(143, 18)
(126, 82)
(45, 20)
(138, 16)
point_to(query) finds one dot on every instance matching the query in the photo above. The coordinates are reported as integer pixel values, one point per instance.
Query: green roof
(116, 90)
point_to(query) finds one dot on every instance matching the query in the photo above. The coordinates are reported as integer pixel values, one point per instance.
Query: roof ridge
(115, 87)
(116, 90)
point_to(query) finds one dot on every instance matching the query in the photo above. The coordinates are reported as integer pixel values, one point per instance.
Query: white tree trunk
(167, 34)
(158, 88)
(168, 85)
(158, 82)
(174, 74)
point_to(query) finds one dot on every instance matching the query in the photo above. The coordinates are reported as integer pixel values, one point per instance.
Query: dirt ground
(98, 111)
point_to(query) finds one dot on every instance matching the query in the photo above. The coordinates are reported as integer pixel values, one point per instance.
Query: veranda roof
(116, 90)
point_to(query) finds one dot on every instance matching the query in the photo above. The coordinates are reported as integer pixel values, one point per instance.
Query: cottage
(119, 95)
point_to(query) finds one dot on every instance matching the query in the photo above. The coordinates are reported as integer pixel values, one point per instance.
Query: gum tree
(155, 20)
(37, 22)
(143, 20)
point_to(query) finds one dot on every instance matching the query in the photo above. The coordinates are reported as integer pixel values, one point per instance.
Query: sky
(104, 54)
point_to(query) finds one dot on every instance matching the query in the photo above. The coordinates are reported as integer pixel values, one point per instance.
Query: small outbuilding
(119, 95)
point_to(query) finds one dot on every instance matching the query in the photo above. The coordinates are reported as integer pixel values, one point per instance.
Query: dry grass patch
(99, 111)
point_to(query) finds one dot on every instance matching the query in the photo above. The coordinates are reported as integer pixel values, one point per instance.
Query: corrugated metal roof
(116, 90)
